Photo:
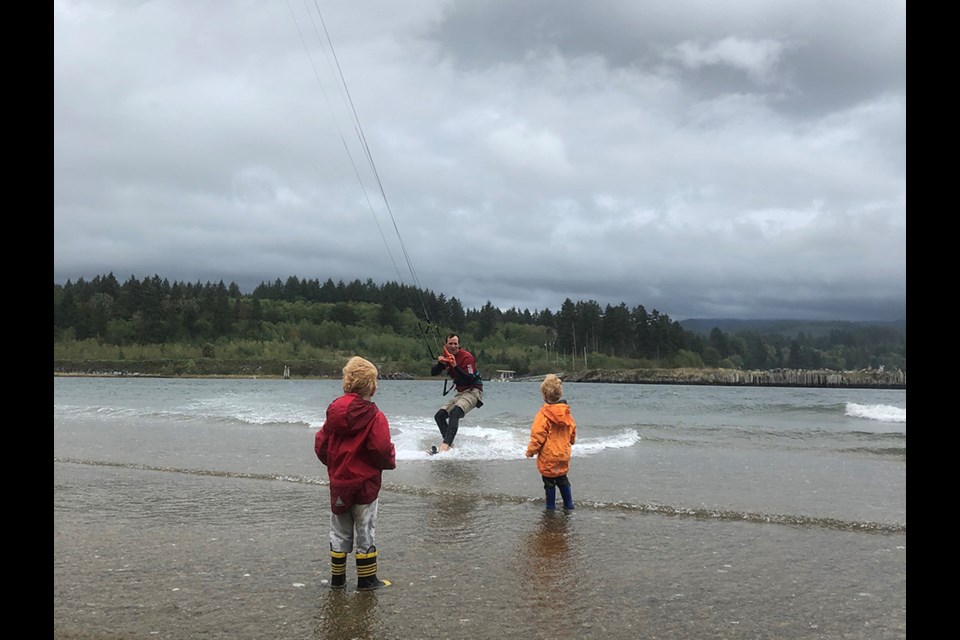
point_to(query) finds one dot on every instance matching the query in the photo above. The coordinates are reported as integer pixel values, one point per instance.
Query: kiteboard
(433, 450)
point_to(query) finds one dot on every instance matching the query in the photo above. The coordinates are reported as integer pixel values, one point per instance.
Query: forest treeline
(310, 326)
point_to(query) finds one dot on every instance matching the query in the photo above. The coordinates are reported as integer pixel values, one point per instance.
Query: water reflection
(347, 614)
(550, 565)
(459, 483)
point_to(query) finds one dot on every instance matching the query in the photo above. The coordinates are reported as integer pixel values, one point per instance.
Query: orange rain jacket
(551, 436)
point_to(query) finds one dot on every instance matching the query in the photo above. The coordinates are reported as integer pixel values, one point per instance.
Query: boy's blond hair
(359, 377)
(551, 388)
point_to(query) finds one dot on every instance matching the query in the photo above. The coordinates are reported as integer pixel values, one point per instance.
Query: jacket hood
(558, 412)
(350, 413)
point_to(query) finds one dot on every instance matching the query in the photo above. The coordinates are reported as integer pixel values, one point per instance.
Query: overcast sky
(736, 159)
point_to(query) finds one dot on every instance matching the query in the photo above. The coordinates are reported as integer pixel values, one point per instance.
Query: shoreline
(802, 378)
(794, 378)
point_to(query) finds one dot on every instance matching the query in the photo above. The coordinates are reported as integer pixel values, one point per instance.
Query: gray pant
(360, 518)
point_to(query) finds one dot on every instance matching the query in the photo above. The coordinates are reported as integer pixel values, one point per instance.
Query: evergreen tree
(488, 321)
(566, 327)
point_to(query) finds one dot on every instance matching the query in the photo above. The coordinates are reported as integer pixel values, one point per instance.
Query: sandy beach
(252, 564)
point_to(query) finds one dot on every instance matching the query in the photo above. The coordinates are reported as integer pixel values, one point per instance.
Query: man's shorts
(466, 400)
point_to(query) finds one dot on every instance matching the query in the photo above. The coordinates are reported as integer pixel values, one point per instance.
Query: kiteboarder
(460, 365)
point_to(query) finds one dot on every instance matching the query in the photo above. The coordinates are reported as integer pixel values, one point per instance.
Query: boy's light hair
(551, 388)
(359, 376)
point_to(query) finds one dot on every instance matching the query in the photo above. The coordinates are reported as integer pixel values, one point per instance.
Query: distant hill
(790, 328)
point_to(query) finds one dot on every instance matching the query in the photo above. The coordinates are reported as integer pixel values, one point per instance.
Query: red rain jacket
(354, 443)
(463, 373)
(552, 435)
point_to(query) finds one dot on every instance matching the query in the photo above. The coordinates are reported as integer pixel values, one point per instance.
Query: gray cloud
(746, 162)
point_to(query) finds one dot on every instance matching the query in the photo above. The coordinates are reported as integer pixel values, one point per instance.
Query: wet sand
(156, 554)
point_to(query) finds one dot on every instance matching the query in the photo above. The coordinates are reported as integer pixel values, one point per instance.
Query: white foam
(881, 412)
(412, 438)
(590, 446)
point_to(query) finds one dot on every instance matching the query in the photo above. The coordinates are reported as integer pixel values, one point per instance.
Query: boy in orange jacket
(551, 437)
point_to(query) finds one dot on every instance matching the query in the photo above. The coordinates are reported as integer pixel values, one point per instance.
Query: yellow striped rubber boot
(338, 569)
(367, 571)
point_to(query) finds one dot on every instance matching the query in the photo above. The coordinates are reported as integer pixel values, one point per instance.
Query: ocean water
(701, 512)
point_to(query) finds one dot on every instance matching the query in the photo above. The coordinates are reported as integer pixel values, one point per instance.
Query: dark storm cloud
(745, 160)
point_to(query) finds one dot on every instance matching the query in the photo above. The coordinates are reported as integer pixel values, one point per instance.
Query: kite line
(333, 63)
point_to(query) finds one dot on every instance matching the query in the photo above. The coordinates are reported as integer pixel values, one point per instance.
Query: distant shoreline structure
(820, 378)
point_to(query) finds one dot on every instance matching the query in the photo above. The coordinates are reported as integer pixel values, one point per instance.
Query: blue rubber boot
(567, 493)
(551, 497)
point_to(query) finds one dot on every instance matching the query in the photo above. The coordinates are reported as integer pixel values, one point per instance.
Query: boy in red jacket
(551, 437)
(354, 443)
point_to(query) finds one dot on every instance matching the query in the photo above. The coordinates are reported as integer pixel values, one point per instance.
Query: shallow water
(196, 509)
(172, 555)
